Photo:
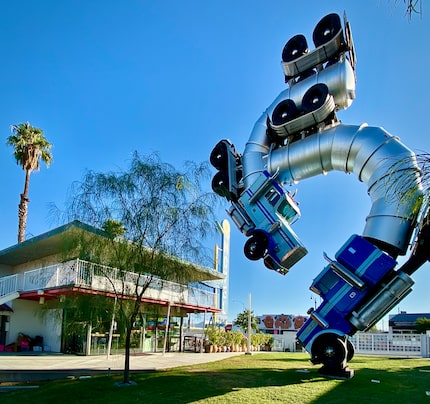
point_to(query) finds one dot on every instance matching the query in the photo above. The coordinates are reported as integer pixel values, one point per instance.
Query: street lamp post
(248, 350)
(249, 328)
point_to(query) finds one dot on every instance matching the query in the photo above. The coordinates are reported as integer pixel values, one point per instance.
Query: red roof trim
(57, 292)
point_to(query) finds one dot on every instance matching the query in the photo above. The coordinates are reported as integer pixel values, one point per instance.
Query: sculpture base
(337, 372)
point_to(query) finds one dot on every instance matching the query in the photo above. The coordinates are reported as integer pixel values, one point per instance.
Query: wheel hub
(329, 352)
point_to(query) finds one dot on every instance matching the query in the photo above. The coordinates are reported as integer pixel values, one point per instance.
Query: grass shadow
(259, 378)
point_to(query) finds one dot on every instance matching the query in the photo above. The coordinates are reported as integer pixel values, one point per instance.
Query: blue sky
(105, 78)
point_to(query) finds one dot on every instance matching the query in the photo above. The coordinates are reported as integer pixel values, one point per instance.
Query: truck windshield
(289, 212)
(273, 196)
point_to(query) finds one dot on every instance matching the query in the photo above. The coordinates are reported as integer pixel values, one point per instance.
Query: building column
(88, 345)
(166, 331)
(181, 334)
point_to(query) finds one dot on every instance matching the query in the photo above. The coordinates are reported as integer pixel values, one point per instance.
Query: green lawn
(259, 378)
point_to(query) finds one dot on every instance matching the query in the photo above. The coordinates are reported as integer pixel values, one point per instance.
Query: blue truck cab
(356, 289)
(264, 213)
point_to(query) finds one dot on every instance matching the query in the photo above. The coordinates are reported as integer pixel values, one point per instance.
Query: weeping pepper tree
(154, 220)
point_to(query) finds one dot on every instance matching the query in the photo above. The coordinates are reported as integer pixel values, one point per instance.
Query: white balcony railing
(9, 284)
(107, 279)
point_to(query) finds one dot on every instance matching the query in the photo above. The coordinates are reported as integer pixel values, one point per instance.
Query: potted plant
(207, 345)
(229, 338)
(222, 341)
(212, 337)
(268, 342)
(237, 340)
(244, 343)
(255, 341)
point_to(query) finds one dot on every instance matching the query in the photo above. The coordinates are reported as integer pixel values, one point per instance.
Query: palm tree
(30, 146)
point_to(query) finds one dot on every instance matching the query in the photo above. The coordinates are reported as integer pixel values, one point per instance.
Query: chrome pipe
(390, 295)
(340, 80)
(377, 158)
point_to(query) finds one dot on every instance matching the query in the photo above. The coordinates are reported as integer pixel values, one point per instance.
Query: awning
(5, 307)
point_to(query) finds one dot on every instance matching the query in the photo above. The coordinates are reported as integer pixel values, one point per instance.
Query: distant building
(284, 328)
(280, 323)
(405, 323)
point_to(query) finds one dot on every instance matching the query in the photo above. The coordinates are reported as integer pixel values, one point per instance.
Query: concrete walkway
(54, 366)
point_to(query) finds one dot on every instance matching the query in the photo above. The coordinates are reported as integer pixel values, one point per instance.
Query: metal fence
(103, 278)
(390, 344)
(8, 284)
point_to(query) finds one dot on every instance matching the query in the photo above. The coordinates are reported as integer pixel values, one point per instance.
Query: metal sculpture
(299, 136)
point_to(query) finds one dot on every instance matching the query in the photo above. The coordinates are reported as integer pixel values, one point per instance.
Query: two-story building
(36, 271)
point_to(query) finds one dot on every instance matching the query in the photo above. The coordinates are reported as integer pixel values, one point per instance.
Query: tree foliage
(157, 206)
(153, 217)
(242, 321)
(422, 325)
(30, 146)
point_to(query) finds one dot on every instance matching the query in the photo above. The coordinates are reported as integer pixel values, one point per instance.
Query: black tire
(315, 97)
(220, 183)
(285, 111)
(330, 350)
(326, 29)
(296, 47)
(351, 350)
(256, 246)
(219, 156)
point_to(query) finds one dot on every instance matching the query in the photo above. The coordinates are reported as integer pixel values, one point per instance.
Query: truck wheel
(285, 111)
(297, 46)
(350, 348)
(220, 183)
(326, 29)
(315, 97)
(330, 350)
(219, 156)
(256, 246)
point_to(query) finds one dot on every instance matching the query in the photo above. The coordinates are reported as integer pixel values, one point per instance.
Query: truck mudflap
(288, 260)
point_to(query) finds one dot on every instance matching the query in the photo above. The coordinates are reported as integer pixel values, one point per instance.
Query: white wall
(26, 319)
(5, 270)
(285, 341)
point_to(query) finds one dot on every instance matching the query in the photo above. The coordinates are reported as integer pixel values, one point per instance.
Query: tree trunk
(126, 376)
(23, 209)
